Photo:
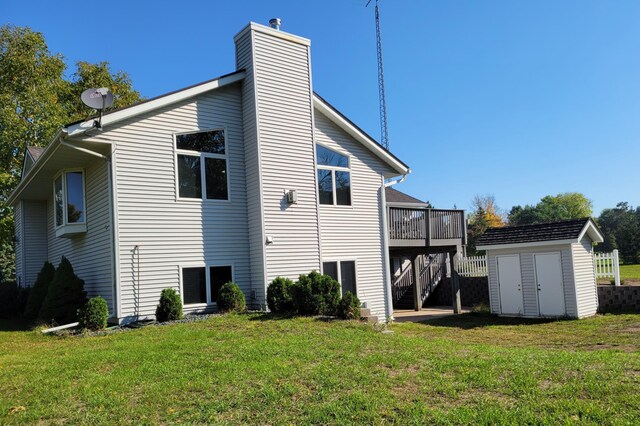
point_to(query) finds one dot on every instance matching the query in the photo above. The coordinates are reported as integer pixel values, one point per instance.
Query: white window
(343, 271)
(201, 160)
(334, 177)
(69, 203)
(201, 285)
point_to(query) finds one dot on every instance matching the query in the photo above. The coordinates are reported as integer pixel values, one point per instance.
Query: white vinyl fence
(472, 266)
(607, 265)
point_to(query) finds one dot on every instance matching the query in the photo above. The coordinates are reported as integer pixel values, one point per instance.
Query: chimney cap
(275, 23)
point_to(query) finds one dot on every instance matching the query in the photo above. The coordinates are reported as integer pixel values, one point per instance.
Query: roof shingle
(550, 231)
(35, 152)
(395, 196)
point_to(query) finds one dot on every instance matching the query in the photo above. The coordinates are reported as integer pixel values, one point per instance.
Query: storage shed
(542, 270)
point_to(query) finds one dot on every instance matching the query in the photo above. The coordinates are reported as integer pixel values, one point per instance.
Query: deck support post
(417, 290)
(455, 283)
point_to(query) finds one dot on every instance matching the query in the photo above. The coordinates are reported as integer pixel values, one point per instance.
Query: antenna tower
(384, 131)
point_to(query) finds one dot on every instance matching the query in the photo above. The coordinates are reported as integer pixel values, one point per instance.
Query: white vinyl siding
(278, 71)
(527, 269)
(169, 232)
(90, 253)
(586, 288)
(34, 249)
(255, 224)
(350, 232)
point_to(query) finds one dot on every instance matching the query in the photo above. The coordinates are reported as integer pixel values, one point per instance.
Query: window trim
(67, 228)
(338, 262)
(201, 156)
(207, 276)
(333, 170)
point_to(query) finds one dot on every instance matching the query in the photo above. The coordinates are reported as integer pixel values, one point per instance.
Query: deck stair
(432, 272)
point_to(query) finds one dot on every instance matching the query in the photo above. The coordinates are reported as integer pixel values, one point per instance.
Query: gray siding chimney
(279, 154)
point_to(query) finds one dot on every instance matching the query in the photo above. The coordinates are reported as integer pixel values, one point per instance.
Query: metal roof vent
(275, 23)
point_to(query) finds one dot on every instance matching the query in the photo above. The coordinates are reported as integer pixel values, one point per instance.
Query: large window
(334, 177)
(202, 165)
(69, 202)
(343, 271)
(201, 285)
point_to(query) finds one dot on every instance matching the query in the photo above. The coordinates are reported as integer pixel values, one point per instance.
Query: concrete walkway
(426, 314)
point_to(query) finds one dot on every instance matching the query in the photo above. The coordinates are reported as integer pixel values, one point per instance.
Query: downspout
(115, 247)
(385, 243)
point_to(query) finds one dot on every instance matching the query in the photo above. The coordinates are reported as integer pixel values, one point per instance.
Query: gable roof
(394, 196)
(324, 107)
(358, 134)
(119, 114)
(566, 231)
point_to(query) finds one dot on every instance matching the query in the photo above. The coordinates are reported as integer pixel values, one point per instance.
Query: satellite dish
(97, 98)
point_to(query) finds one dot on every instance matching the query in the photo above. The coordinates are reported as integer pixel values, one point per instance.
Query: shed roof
(566, 231)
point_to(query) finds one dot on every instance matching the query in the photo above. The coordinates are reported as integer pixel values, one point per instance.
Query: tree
(31, 87)
(35, 102)
(64, 297)
(568, 205)
(621, 229)
(98, 75)
(485, 214)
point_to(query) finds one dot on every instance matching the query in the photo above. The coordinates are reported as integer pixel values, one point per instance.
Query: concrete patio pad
(426, 314)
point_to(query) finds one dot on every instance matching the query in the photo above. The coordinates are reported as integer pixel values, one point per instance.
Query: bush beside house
(348, 307)
(231, 298)
(65, 296)
(279, 298)
(316, 294)
(13, 299)
(312, 294)
(170, 306)
(39, 291)
(94, 314)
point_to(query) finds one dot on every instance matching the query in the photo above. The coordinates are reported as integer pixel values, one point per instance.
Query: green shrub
(170, 306)
(304, 301)
(94, 314)
(13, 299)
(65, 296)
(39, 290)
(279, 297)
(231, 298)
(315, 294)
(348, 307)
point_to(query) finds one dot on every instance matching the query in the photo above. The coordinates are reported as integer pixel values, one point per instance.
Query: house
(245, 177)
(543, 269)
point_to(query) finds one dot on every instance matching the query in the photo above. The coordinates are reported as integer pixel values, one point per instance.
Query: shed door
(550, 286)
(510, 284)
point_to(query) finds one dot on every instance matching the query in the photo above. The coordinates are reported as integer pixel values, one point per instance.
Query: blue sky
(515, 99)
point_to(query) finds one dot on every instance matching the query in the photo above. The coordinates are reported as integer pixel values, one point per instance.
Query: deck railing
(426, 226)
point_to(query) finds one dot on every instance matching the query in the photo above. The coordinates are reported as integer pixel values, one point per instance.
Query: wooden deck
(416, 227)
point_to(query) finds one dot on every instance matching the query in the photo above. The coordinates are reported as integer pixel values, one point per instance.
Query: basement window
(201, 285)
(343, 271)
(69, 203)
(201, 160)
(334, 177)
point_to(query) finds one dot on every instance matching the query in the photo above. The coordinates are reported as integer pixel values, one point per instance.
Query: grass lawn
(259, 370)
(630, 272)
